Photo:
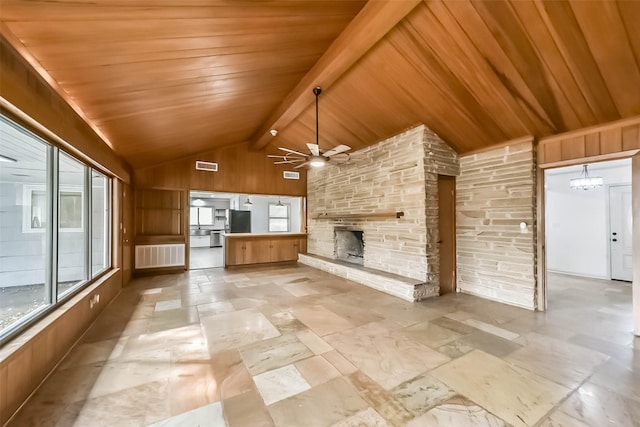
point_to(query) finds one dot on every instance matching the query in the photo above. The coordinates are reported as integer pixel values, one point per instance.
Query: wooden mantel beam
(375, 20)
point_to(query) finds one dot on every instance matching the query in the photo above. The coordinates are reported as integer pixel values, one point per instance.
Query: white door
(621, 218)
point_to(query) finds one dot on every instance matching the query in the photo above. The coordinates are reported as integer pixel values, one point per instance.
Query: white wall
(260, 212)
(577, 221)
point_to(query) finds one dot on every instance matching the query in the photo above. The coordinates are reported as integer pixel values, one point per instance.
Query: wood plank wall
(25, 362)
(613, 140)
(240, 170)
(162, 191)
(25, 94)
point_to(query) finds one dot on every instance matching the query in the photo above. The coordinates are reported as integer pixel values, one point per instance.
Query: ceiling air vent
(291, 175)
(206, 166)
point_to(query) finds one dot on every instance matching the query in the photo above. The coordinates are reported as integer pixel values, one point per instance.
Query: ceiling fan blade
(313, 148)
(292, 151)
(277, 157)
(336, 150)
(301, 165)
(288, 162)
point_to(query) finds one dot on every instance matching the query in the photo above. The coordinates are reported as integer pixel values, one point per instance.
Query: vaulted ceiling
(164, 79)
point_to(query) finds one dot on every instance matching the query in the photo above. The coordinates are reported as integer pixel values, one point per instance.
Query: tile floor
(294, 346)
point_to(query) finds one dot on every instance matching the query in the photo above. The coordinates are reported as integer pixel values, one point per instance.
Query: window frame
(53, 191)
(287, 217)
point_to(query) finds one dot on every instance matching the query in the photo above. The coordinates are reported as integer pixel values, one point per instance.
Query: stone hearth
(392, 284)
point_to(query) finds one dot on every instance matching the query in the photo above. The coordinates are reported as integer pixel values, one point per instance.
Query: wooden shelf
(361, 215)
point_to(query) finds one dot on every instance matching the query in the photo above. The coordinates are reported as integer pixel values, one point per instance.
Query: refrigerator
(239, 221)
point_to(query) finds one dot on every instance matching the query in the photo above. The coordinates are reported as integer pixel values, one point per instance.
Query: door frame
(541, 245)
(454, 250)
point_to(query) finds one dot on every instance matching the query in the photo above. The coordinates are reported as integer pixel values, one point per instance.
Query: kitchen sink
(200, 232)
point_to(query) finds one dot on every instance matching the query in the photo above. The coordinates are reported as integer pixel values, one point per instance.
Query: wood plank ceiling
(165, 81)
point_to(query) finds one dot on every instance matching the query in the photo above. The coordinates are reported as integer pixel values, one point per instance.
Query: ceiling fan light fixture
(317, 161)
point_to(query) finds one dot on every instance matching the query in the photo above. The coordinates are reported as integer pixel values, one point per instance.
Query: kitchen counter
(262, 235)
(254, 248)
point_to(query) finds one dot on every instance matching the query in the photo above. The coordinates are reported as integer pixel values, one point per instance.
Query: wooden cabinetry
(263, 248)
(159, 212)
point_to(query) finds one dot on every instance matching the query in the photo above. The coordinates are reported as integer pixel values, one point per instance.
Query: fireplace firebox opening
(349, 246)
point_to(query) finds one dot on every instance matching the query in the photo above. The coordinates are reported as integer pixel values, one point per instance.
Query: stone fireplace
(349, 245)
(399, 174)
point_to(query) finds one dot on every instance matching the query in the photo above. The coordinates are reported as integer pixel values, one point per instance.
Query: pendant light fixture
(585, 182)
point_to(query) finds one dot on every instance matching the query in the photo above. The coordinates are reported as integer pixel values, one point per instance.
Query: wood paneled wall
(613, 140)
(25, 362)
(29, 98)
(635, 200)
(240, 170)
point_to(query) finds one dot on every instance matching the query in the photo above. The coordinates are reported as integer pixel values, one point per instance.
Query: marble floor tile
(367, 418)
(299, 289)
(517, 396)
(429, 334)
(168, 305)
(137, 406)
(280, 383)
(492, 329)
(321, 406)
(619, 378)
(274, 353)
(236, 329)
(320, 319)
(213, 308)
(339, 362)
(455, 349)
(489, 343)
(192, 385)
(559, 361)
(119, 375)
(454, 325)
(209, 415)
(597, 406)
(246, 410)
(89, 353)
(391, 364)
(316, 370)
(422, 393)
(176, 318)
(387, 358)
(316, 344)
(458, 412)
(560, 419)
(231, 374)
(383, 401)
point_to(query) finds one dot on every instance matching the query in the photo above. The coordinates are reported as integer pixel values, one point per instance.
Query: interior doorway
(447, 233)
(580, 223)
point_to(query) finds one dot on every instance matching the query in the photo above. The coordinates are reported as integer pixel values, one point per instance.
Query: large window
(278, 217)
(72, 232)
(100, 223)
(54, 226)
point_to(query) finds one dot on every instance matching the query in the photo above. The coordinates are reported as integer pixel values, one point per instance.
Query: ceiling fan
(316, 156)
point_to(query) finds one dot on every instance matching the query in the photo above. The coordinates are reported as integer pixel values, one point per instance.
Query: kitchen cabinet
(263, 248)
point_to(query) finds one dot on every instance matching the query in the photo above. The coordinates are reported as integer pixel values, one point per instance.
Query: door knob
(614, 240)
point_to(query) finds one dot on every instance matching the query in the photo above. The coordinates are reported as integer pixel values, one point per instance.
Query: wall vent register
(206, 166)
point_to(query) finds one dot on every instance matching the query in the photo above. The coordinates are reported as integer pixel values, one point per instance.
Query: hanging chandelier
(585, 182)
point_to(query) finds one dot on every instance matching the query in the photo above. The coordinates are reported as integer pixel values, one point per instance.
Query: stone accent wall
(496, 190)
(397, 174)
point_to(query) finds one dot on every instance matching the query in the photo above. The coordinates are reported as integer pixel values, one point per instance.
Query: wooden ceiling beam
(372, 23)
